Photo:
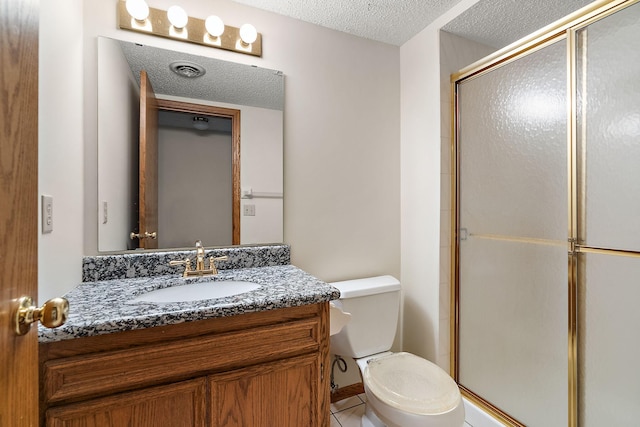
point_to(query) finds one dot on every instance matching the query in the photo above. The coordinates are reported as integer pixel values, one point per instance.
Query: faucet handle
(212, 265)
(186, 262)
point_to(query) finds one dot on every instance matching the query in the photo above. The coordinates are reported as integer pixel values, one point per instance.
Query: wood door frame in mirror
(234, 115)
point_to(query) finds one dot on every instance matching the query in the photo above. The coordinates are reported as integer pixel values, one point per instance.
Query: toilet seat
(411, 384)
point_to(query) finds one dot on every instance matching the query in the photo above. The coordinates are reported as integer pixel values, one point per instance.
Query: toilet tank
(374, 304)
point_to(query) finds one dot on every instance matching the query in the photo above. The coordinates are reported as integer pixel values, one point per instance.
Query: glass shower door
(608, 124)
(513, 226)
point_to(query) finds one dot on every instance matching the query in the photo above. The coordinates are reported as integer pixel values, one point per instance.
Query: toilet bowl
(402, 389)
(409, 391)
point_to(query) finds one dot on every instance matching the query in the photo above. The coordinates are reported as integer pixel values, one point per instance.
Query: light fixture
(175, 24)
(214, 26)
(248, 33)
(201, 123)
(177, 16)
(138, 9)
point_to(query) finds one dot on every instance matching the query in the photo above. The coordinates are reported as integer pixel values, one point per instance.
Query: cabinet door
(283, 393)
(175, 405)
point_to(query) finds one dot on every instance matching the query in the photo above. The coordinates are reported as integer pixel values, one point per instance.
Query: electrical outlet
(47, 214)
(249, 210)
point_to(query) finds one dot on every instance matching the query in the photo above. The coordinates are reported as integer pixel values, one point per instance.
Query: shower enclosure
(547, 224)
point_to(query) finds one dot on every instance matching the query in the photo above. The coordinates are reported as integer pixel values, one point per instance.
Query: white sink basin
(197, 291)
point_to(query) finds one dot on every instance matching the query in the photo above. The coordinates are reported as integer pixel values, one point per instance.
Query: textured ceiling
(496, 23)
(223, 81)
(388, 21)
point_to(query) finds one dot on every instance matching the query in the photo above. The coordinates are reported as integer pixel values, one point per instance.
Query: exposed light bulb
(138, 9)
(248, 33)
(177, 16)
(214, 26)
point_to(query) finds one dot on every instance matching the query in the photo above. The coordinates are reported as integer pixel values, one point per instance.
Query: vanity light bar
(157, 23)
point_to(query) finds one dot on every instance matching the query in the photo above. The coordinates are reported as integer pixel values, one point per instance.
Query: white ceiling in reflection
(223, 81)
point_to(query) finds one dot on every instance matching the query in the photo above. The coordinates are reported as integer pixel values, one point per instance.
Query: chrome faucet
(200, 268)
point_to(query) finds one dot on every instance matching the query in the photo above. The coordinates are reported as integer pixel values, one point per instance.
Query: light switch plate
(47, 214)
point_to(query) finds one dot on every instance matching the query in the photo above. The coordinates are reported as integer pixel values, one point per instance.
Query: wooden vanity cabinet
(254, 370)
(179, 405)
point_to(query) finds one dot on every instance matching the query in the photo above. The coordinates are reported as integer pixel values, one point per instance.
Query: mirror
(195, 160)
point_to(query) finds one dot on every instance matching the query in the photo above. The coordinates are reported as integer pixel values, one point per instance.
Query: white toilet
(403, 390)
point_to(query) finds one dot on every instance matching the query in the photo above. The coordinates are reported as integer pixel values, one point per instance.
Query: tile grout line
(349, 407)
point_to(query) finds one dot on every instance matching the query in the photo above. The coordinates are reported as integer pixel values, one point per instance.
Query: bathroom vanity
(255, 359)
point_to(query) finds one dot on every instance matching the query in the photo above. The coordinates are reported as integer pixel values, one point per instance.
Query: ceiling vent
(187, 69)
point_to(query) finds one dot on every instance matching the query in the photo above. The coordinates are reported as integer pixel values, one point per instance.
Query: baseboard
(348, 391)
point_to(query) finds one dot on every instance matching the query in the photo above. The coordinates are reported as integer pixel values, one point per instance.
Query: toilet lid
(411, 384)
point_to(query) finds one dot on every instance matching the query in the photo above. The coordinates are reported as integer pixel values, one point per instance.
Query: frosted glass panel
(513, 328)
(513, 148)
(609, 125)
(610, 342)
(513, 195)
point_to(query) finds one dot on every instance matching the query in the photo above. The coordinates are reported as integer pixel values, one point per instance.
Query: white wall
(422, 193)
(117, 157)
(60, 148)
(262, 170)
(341, 136)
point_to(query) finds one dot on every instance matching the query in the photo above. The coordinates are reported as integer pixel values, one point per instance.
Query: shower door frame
(564, 28)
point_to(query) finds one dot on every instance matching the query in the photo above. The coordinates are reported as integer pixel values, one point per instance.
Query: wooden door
(18, 207)
(148, 213)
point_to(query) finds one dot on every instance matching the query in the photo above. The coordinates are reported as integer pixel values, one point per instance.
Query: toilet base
(370, 419)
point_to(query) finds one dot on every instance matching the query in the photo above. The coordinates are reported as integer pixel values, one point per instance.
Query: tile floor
(347, 412)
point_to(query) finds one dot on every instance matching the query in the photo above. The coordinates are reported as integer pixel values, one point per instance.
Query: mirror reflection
(192, 150)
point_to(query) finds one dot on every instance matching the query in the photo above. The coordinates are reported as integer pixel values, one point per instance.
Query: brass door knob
(52, 314)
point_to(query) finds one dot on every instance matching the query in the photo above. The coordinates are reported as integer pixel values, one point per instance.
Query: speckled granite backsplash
(151, 264)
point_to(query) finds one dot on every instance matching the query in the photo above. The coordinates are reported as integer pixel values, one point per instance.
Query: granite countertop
(103, 307)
